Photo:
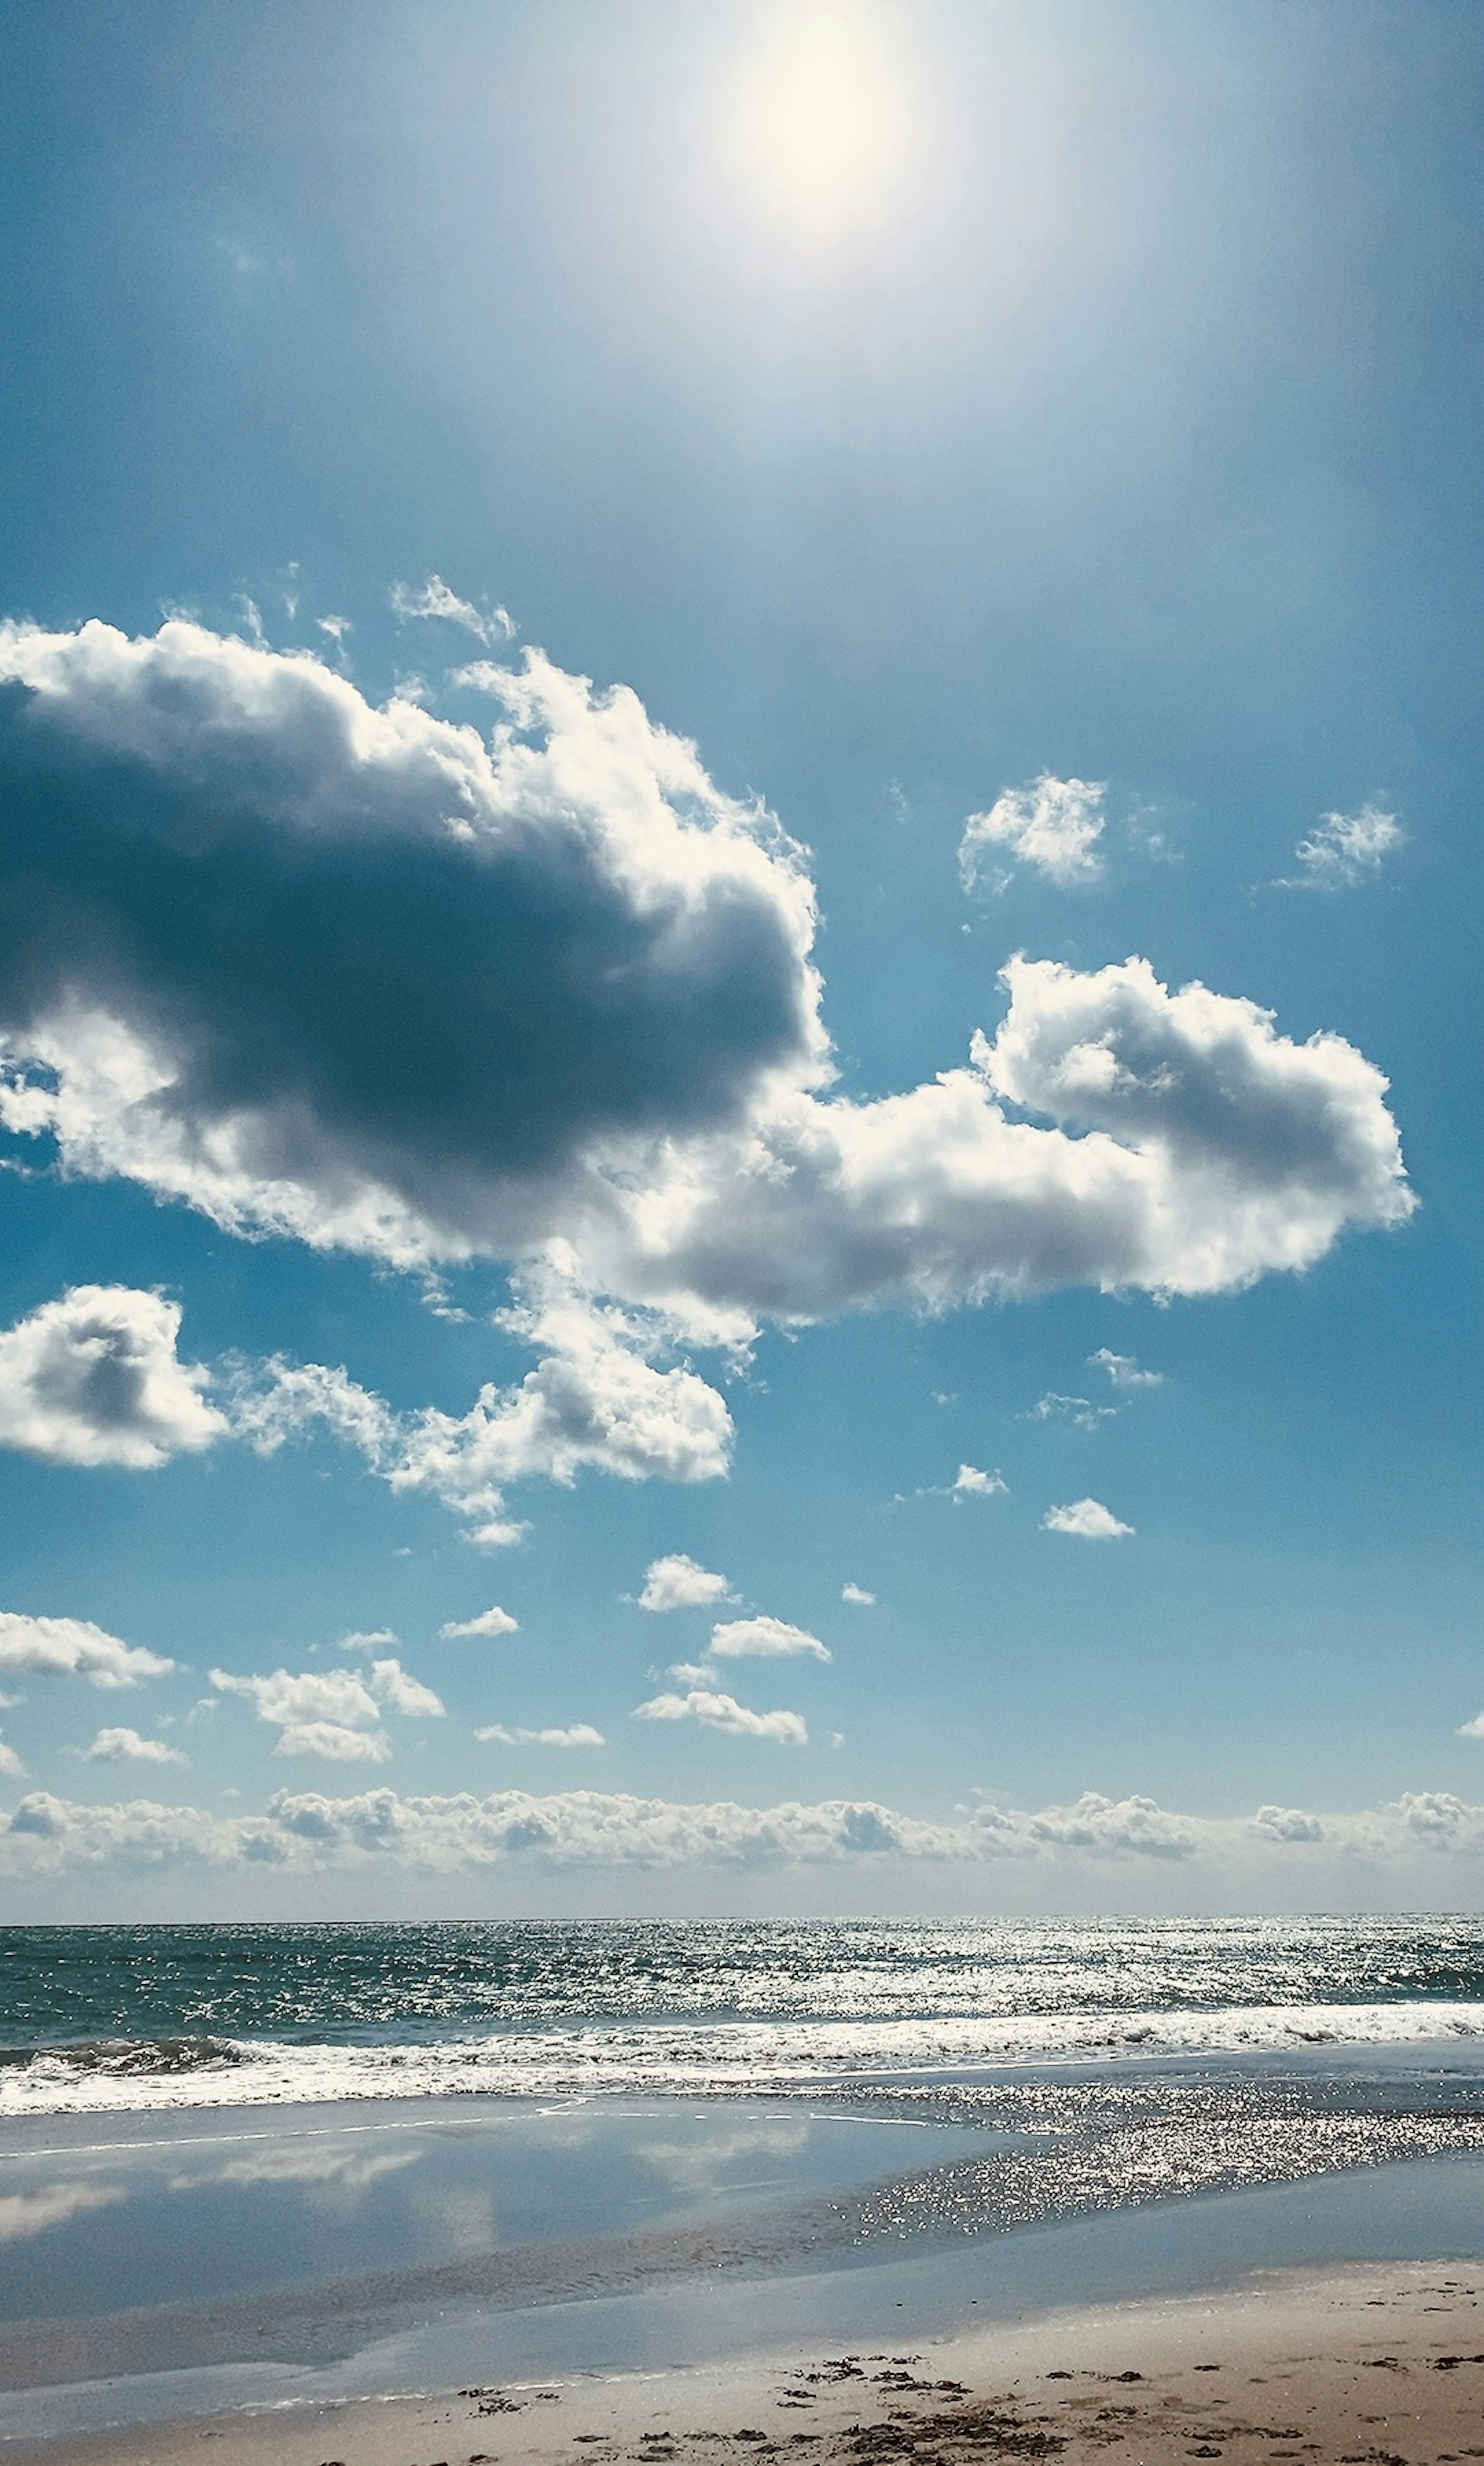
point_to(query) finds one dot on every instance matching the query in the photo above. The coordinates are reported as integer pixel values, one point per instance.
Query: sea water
(92, 2017)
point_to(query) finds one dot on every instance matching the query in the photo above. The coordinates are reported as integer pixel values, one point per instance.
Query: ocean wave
(715, 2058)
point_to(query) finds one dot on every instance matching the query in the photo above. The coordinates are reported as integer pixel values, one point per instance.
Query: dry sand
(1375, 2365)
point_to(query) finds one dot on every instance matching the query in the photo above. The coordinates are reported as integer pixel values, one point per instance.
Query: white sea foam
(697, 2056)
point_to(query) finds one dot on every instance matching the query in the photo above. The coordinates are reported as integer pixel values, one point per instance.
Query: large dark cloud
(375, 949)
(362, 977)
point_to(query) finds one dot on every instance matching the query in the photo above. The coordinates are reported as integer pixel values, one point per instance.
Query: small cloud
(336, 627)
(724, 1713)
(491, 1622)
(969, 1482)
(9, 1763)
(581, 1734)
(1052, 825)
(858, 1597)
(1123, 1370)
(434, 599)
(1088, 1520)
(123, 1746)
(1345, 850)
(679, 1583)
(764, 1639)
(1473, 1729)
(691, 1673)
(365, 1639)
(1079, 1410)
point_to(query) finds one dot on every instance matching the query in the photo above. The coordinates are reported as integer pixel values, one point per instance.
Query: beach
(1356, 2367)
(878, 2254)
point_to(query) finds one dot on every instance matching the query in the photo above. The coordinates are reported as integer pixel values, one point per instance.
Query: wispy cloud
(434, 599)
(1079, 1410)
(1344, 850)
(1123, 1370)
(1052, 825)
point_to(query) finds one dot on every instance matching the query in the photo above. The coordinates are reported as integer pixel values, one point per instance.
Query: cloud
(1123, 1370)
(434, 599)
(724, 1713)
(592, 1399)
(11, 1763)
(362, 977)
(1052, 825)
(581, 1734)
(1079, 1410)
(970, 1482)
(332, 1713)
(1345, 850)
(23, 2214)
(762, 1639)
(492, 1621)
(126, 1746)
(859, 1596)
(1088, 1520)
(679, 1583)
(93, 1379)
(1473, 1729)
(47, 1648)
(358, 976)
(309, 1832)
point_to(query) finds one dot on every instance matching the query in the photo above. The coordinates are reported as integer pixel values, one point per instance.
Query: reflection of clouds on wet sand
(325, 2169)
(31, 2213)
(699, 2165)
(464, 2221)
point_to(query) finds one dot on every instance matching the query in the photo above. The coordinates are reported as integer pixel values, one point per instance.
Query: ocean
(119, 2017)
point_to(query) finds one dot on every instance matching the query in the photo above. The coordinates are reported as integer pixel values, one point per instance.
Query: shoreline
(1361, 2365)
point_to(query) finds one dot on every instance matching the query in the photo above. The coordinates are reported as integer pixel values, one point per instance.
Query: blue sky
(1009, 479)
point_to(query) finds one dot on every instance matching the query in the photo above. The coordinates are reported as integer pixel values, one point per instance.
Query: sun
(821, 118)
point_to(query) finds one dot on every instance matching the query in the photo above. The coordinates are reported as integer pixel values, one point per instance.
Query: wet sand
(1373, 2366)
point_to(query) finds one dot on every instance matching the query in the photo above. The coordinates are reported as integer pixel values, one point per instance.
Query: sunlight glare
(823, 118)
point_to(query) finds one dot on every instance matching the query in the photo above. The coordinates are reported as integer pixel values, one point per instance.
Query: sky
(740, 898)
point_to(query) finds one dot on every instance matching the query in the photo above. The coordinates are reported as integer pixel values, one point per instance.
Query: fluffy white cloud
(607, 1033)
(970, 1481)
(10, 1761)
(45, 1834)
(592, 1399)
(93, 1379)
(1088, 1520)
(762, 1639)
(1123, 1370)
(434, 599)
(1345, 850)
(1052, 825)
(125, 1746)
(581, 1734)
(681, 1583)
(716, 1711)
(48, 1648)
(491, 1622)
(1473, 1729)
(332, 1713)
(858, 1597)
